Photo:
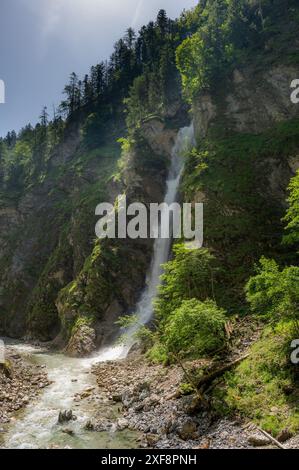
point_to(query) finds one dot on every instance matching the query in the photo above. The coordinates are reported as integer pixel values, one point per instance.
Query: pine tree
(162, 22)
(72, 96)
(130, 38)
(44, 117)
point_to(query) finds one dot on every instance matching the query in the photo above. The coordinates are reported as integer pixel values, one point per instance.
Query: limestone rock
(82, 343)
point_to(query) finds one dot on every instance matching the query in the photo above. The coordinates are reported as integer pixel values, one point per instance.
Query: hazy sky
(43, 41)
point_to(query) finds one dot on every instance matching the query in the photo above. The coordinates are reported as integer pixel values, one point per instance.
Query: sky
(43, 41)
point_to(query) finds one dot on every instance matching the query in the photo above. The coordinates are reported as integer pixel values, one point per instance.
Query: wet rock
(191, 405)
(127, 398)
(152, 439)
(70, 432)
(66, 416)
(89, 426)
(144, 386)
(117, 398)
(144, 394)
(139, 408)
(122, 424)
(103, 425)
(19, 384)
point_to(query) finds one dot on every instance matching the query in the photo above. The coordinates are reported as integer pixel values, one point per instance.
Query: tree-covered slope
(53, 176)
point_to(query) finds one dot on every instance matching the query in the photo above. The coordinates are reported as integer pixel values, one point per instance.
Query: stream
(37, 428)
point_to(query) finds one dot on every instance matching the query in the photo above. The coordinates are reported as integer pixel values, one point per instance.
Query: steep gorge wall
(247, 132)
(55, 279)
(47, 232)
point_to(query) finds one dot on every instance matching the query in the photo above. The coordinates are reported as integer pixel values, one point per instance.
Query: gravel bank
(20, 383)
(149, 401)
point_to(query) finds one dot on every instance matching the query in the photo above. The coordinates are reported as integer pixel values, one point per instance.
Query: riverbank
(20, 384)
(151, 401)
(127, 403)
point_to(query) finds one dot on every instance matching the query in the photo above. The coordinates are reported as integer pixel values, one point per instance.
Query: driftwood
(271, 438)
(207, 379)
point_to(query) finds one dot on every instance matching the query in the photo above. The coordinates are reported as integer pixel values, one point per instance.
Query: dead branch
(271, 438)
(207, 379)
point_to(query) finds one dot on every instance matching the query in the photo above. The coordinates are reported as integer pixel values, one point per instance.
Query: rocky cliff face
(248, 150)
(55, 280)
(253, 100)
(46, 234)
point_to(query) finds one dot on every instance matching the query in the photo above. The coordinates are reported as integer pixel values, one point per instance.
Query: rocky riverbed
(20, 384)
(122, 404)
(150, 400)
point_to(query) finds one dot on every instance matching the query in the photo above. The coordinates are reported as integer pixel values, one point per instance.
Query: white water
(38, 426)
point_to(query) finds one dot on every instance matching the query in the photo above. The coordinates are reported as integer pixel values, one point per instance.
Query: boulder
(82, 343)
(258, 440)
(284, 435)
(122, 424)
(188, 430)
(66, 416)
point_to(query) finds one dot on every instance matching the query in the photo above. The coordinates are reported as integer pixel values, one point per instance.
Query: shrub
(195, 328)
(292, 216)
(189, 275)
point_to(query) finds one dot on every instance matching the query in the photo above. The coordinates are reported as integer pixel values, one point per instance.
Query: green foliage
(263, 387)
(242, 216)
(158, 353)
(201, 57)
(292, 216)
(189, 325)
(189, 275)
(41, 311)
(195, 329)
(127, 321)
(226, 33)
(274, 292)
(80, 322)
(186, 389)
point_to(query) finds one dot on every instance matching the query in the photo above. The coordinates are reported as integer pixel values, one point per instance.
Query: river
(37, 428)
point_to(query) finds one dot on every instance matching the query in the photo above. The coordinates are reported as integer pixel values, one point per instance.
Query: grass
(264, 388)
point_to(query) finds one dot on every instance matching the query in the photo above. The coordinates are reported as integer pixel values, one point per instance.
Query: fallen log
(207, 379)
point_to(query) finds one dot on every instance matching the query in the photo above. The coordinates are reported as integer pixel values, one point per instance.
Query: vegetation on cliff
(249, 265)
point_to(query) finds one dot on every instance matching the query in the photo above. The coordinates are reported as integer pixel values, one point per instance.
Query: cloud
(52, 17)
(137, 13)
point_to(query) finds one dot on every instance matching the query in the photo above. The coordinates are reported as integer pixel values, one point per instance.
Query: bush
(189, 275)
(292, 216)
(158, 354)
(195, 328)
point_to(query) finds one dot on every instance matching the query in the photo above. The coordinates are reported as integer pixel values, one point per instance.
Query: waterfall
(144, 308)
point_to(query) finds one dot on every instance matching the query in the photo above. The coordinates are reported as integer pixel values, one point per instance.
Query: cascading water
(38, 426)
(144, 309)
